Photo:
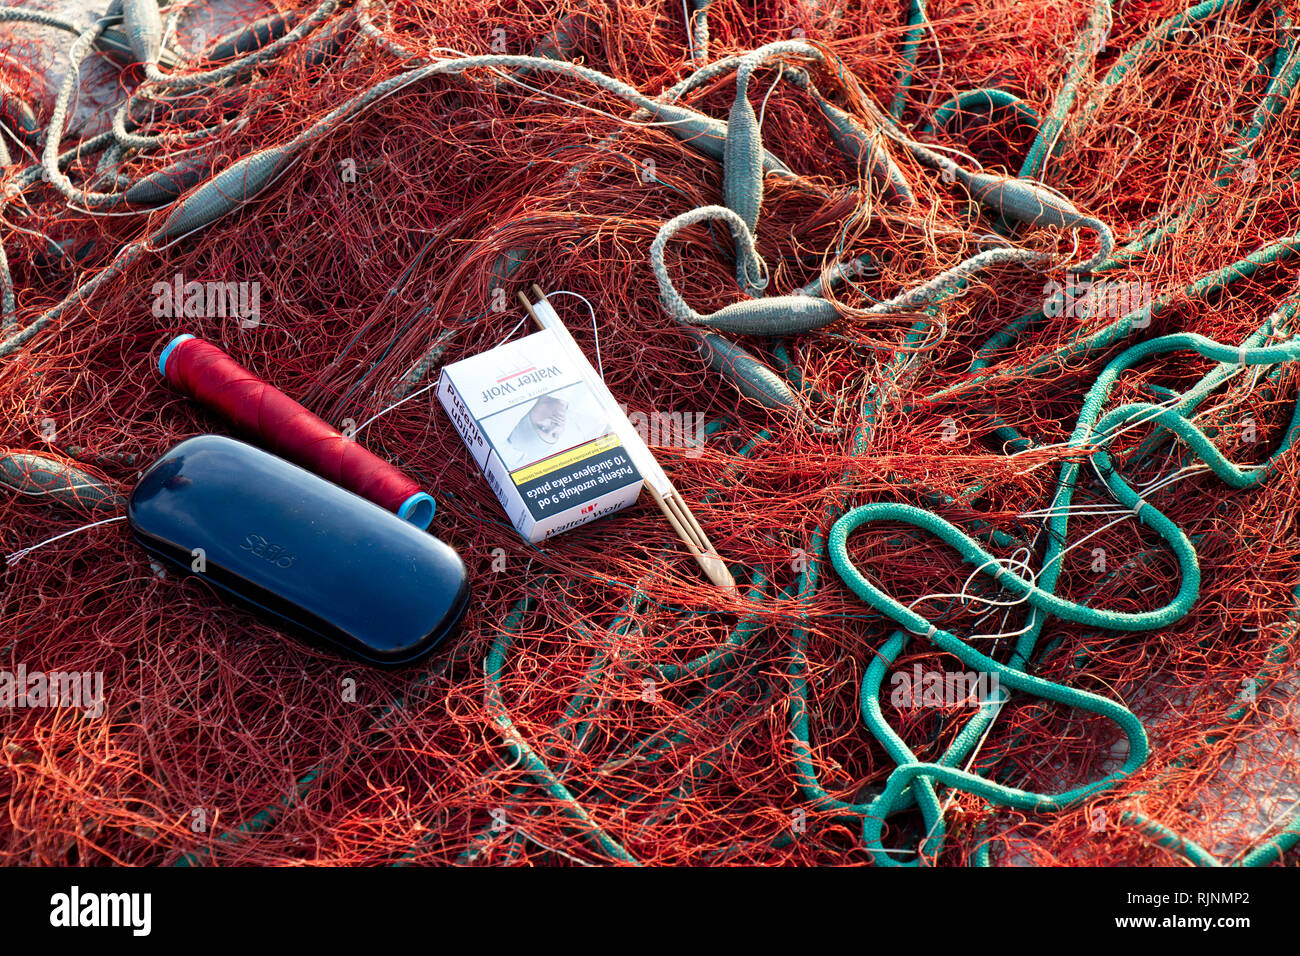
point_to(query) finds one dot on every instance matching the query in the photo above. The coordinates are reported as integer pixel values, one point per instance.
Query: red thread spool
(208, 375)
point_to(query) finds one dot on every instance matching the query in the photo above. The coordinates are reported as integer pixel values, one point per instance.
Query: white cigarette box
(540, 436)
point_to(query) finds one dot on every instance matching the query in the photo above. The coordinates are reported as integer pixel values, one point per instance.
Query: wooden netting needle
(669, 501)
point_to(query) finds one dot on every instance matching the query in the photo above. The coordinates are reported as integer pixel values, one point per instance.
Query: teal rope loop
(913, 781)
(983, 101)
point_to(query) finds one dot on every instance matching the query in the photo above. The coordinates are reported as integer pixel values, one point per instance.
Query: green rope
(1090, 41)
(916, 26)
(983, 101)
(1093, 431)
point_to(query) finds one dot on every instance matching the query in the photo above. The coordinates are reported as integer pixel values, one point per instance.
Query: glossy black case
(314, 558)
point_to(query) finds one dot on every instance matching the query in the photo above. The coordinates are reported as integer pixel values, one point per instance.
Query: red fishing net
(572, 721)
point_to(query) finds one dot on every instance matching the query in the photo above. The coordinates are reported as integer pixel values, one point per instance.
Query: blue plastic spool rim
(418, 509)
(162, 359)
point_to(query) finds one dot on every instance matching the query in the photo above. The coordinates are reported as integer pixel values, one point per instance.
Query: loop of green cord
(1094, 432)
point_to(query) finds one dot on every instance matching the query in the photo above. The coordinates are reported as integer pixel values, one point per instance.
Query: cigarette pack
(544, 440)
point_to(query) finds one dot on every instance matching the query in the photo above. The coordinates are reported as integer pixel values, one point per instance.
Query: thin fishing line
(403, 401)
(594, 330)
(23, 552)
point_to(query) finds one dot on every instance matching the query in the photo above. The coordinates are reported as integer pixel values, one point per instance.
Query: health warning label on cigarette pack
(576, 477)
